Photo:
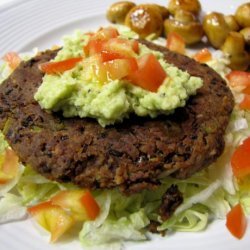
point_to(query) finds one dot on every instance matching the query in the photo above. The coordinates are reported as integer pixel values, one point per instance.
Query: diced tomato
(52, 218)
(237, 222)
(13, 59)
(176, 43)
(245, 104)
(150, 74)
(109, 56)
(246, 90)
(90, 204)
(100, 72)
(93, 69)
(239, 78)
(240, 160)
(9, 166)
(107, 33)
(59, 67)
(203, 56)
(120, 68)
(94, 47)
(135, 46)
(80, 203)
(128, 48)
(98, 40)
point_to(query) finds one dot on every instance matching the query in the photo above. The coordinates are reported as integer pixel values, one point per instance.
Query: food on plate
(246, 34)
(64, 210)
(184, 19)
(240, 160)
(176, 43)
(13, 59)
(51, 68)
(9, 166)
(131, 149)
(242, 15)
(236, 221)
(52, 218)
(121, 136)
(145, 19)
(120, 77)
(216, 28)
(234, 46)
(80, 203)
(163, 10)
(239, 79)
(193, 6)
(184, 24)
(203, 56)
(117, 12)
(232, 23)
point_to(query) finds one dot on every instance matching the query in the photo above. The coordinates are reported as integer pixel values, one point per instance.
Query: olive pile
(229, 33)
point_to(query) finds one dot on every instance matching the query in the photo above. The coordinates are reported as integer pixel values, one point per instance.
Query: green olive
(216, 28)
(193, 6)
(185, 25)
(118, 11)
(184, 16)
(232, 23)
(234, 46)
(145, 20)
(246, 34)
(242, 15)
(163, 10)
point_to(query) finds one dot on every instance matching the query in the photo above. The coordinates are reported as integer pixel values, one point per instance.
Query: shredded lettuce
(11, 208)
(34, 188)
(5, 71)
(208, 194)
(110, 230)
(8, 186)
(11, 184)
(3, 143)
(191, 220)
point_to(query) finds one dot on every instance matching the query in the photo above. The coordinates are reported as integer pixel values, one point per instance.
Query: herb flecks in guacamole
(77, 92)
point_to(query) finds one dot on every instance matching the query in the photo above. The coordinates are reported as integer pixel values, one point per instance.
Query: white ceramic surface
(25, 24)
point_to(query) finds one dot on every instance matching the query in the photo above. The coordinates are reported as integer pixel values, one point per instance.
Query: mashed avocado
(77, 92)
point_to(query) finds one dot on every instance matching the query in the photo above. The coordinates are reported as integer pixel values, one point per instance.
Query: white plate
(34, 23)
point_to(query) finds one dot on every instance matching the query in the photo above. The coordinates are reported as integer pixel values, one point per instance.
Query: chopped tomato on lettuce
(8, 166)
(52, 218)
(236, 221)
(239, 79)
(241, 161)
(61, 212)
(203, 56)
(246, 90)
(80, 203)
(245, 104)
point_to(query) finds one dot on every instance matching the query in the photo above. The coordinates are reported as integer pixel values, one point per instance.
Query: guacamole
(77, 92)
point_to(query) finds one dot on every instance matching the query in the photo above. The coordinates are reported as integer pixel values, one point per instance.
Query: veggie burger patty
(133, 155)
